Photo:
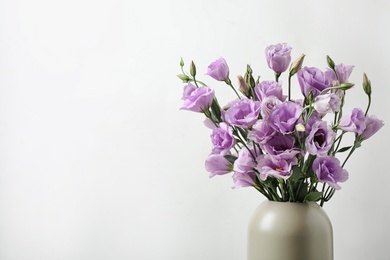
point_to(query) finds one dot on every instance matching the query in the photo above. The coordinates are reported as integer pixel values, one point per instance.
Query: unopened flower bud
(330, 62)
(250, 81)
(346, 86)
(366, 84)
(184, 78)
(297, 65)
(192, 69)
(243, 87)
(181, 62)
(300, 127)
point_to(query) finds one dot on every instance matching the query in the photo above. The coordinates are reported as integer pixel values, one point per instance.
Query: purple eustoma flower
(269, 88)
(373, 124)
(274, 166)
(312, 80)
(217, 164)
(267, 105)
(328, 170)
(218, 70)
(261, 132)
(320, 139)
(278, 57)
(197, 99)
(243, 113)
(245, 161)
(343, 73)
(282, 146)
(244, 179)
(353, 121)
(222, 137)
(284, 117)
(327, 103)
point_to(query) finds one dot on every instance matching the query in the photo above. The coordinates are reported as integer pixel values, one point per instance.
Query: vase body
(289, 231)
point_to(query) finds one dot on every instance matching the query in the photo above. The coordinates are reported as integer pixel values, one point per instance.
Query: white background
(97, 161)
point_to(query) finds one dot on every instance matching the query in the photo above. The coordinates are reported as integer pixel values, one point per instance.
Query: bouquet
(285, 148)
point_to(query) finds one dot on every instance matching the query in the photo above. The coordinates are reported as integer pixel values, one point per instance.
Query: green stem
(369, 104)
(229, 82)
(339, 141)
(349, 155)
(289, 87)
(277, 75)
(292, 198)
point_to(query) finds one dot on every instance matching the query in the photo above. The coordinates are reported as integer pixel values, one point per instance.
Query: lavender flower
(343, 72)
(217, 164)
(282, 146)
(320, 139)
(218, 70)
(245, 161)
(267, 105)
(372, 125)
(244, 179)
(284, 117)
(243, 113)
(261, 132)
(278, 57)
(312, 80)
(328, 170)
(269, 88)
(353, 121)
(327, 103)
(222, 137)
(197, 99)
(274, 166)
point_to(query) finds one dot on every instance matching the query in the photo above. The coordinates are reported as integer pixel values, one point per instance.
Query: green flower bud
(181, 62)
(192, 69)
(345, 86)
(366, 84)
(297, 65)
(243, 87)
(330, 62)
(184, 78)
(250, 81)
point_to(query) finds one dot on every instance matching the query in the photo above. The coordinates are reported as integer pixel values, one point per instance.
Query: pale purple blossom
(222, 137)
(267, 105)
(197, 99)
(343, 72)
(320, 139)
(284, 117)
(269, 88)
(372, 125)
(218, 70)
(261, 132)
(243, 113)
(327, 103)
(246, 160)
(278, 57)
(282, 146)
(312, 80)
(353, 121)
(328, 170)
(217, 164)
(275, 166)
(241, 179)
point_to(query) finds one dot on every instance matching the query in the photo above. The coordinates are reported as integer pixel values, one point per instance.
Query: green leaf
(243, 133)
(296, 175)
(302, 192)
(343, 149)
(215, 108)
(230, 158)
(313, 196)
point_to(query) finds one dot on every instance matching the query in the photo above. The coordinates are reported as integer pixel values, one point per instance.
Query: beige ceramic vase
(290, 231)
